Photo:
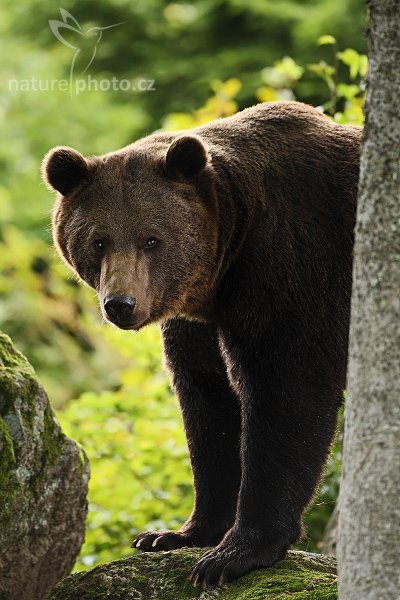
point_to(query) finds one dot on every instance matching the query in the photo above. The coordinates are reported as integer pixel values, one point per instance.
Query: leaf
(325, 71)
(354, 111)
(351, 58)
(325, 40)
(228, 88)
(347, 91)
(175, 121)
(266, 94)
(322, 68)
(284, 74)
(363, 65)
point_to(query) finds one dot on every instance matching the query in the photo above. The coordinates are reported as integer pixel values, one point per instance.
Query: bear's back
(280, 124)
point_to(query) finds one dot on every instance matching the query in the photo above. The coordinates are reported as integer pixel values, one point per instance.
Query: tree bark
(369, 521)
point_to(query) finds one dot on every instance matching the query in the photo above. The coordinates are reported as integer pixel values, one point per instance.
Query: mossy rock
(163, 576)
(43, 485)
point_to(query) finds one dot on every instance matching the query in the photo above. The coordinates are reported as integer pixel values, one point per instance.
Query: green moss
(53, 441)
(164, 576)
(83, 459)
(17, 382)
(19, 395)
(9, 356)
(53, 437)
(8, 485)
(17, 377)
(296, 577)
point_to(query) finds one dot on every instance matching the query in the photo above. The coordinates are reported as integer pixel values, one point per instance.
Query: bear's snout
(119, 309)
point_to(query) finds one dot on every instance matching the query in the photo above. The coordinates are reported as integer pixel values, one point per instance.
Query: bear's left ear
(186, 157)
(63, 169)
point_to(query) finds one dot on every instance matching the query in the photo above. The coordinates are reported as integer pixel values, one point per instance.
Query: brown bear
(237, 236)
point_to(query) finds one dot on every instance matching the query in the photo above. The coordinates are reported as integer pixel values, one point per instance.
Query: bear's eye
(151, 242)
(99, 246)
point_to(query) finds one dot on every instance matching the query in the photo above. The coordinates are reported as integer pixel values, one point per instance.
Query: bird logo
(83, 42)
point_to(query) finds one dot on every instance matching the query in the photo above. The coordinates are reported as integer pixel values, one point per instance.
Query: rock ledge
(163, 576)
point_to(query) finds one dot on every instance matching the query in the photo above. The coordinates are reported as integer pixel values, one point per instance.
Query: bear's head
(139, 226)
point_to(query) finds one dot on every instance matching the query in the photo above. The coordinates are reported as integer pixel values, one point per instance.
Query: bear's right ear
(63, 169)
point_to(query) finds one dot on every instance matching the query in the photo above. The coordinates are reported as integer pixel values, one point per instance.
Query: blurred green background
(207, 59)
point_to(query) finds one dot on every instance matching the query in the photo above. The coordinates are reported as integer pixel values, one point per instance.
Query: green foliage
(349, 96)
(184, 45)
(129, 421)
(221, 104)
(346, 90)
(321, 508)
(135, 442)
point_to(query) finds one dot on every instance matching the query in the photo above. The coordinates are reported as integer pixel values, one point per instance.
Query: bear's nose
(119, 308)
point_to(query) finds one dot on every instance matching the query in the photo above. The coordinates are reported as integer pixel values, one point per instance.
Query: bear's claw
(200, 536)
(161, 540)
(232, 559)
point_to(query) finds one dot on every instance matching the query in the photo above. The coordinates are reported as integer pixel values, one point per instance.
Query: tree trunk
(369, 521)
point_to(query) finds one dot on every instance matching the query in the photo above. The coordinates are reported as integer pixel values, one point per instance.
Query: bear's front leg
(211, 415)
(288, 421)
